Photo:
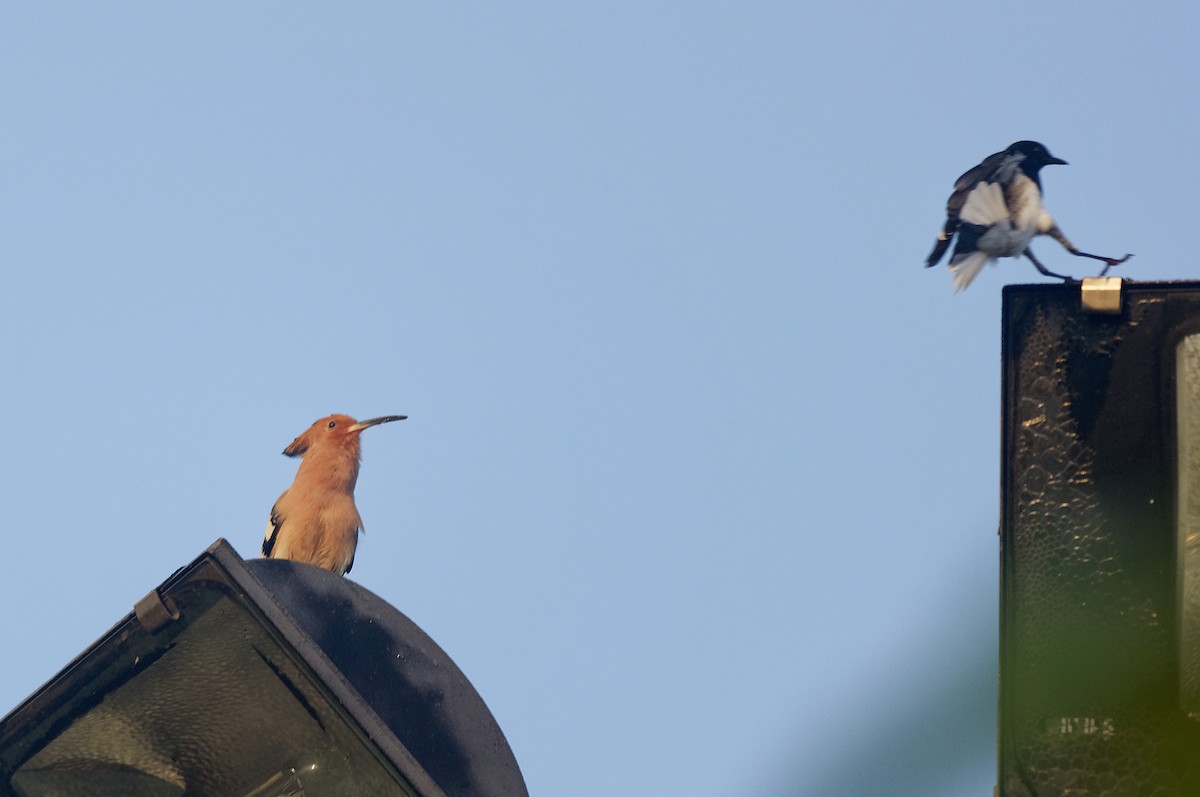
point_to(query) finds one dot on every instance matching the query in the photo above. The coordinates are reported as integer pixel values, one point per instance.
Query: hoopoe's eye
(332, 424)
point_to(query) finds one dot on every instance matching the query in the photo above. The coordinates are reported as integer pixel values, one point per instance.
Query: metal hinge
(155, 611)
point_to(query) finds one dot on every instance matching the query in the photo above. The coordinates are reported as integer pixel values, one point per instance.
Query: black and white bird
(996, 210)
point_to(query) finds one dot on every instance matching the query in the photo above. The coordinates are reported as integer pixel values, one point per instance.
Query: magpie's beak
(1054, 160)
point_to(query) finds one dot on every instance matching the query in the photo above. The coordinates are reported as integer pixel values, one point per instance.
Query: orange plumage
(315, 520)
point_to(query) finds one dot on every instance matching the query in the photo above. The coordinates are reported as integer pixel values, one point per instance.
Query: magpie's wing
(991, 166)
(273, 526)
(985, 171)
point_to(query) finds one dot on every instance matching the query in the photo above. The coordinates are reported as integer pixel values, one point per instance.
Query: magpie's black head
(1036, 156)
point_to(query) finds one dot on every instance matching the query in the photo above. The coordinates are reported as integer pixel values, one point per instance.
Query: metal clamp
(1101, 295)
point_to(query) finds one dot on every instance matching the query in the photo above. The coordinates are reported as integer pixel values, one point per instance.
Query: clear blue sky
(700, 480)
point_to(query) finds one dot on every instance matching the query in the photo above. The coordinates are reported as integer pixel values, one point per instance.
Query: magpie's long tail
(967, 268)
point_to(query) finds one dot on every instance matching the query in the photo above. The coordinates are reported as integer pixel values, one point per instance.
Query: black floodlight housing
(1100, 540)
(260, 678)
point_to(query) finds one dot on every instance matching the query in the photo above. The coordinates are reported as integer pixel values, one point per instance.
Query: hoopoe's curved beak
(358, 427)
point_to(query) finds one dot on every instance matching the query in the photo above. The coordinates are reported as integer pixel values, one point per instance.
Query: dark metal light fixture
(1100, 540)
(260, 678)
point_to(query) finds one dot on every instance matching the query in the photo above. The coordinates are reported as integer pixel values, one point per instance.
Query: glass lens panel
(223, 711)
(1187, 373)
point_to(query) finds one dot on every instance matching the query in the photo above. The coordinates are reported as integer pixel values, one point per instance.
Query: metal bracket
(155, 611)
(1101, 295)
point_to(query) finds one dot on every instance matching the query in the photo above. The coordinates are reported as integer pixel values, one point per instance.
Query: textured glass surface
(1187, 373)
(223, 712)
(1090, 620)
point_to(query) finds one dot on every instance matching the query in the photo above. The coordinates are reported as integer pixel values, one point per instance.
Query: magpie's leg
(1043, 269)
(1109, 262)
